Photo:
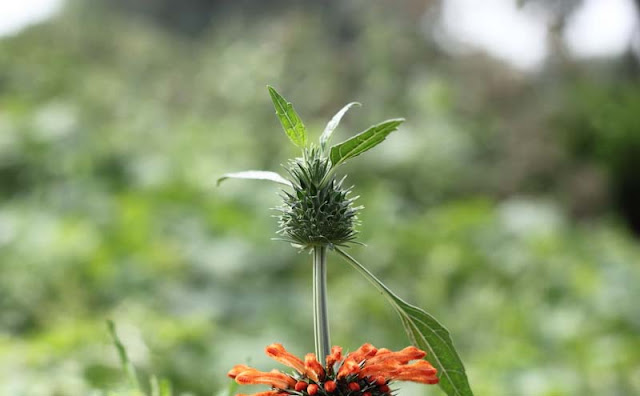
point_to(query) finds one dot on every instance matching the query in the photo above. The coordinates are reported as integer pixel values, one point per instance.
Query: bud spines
(319, 211)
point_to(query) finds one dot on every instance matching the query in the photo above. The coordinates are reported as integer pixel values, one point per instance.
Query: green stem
(320, 316)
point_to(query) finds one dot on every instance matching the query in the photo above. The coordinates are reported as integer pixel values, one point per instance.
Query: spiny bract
(319, 211)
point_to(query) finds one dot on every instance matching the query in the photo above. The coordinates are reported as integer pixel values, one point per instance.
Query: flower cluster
(368, 371)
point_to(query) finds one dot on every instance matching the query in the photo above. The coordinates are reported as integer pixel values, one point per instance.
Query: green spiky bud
(319, 211)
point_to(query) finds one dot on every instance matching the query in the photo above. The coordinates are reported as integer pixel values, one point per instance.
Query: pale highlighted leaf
(293, 126)
(363, 141)
(426, 333)
(333, 124)
(255, 175)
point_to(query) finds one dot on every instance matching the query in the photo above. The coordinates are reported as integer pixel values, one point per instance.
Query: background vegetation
(507, 204)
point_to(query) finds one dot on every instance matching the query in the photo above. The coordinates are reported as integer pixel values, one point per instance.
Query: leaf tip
(272, 91)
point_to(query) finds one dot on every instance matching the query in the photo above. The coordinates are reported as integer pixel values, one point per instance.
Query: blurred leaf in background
(506, 206)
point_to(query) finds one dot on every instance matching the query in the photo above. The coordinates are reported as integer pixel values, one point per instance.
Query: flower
(368, 371)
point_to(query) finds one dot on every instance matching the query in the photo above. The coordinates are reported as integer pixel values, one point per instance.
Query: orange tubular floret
(335, 356)
(377, 370)
(364, 352)
(404, 356)
(313, 368)
(237, 369)
(420, 371)
(349, 366)
(274, 379)
(279, 354)
(383, 351)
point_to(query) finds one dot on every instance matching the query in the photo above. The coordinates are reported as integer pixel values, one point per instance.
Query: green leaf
(426, 333)
(289, 119)
(333, 124)
(363, 141)
(127, 366)
(255, 175)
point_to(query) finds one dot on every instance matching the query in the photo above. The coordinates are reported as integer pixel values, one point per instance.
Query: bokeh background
(508, 205)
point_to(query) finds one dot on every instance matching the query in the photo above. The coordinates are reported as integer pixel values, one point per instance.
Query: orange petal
(420, 371)
(313, 368)
(404, 356)
(237, 369)
(335, 356)
(411, 353)
(278, 353)
(276, 380)
(364, 352)
(349, 366)
(381, 369)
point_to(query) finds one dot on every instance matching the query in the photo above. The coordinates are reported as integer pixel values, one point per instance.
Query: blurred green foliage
(114, 129)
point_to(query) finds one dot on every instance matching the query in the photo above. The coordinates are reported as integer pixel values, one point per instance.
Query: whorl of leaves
(319, 211)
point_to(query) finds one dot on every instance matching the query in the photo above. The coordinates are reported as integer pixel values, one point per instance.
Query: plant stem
(320, 316)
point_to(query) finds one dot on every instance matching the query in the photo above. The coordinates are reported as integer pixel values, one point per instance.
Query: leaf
(293, 126)
(334, 122)
(425, 332)
(127, 366)
(255, 175)
(363, 141)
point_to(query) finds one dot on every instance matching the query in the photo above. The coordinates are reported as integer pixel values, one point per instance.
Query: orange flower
(335, 356)
(367, 371)
(279, 354)
(275, 379)
(313, 368)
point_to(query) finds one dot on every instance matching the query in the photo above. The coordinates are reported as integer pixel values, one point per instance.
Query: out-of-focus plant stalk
(320, 311)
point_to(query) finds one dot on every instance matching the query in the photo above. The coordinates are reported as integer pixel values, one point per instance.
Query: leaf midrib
(444, 370)
(285, 113)
(358, 145)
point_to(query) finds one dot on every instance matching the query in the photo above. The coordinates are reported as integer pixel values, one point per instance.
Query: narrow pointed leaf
(255, 175)
(333, 124)
(127, 366)
(363, 141)
(426, 333)
(293, 126)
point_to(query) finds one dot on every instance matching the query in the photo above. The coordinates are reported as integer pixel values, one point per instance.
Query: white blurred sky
(519, 35)
(15, 15)
(499, 27)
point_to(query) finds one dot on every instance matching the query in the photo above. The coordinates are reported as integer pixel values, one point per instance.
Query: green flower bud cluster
(319, 211)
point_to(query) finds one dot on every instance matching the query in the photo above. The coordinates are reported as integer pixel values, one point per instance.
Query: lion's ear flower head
(367, 371)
